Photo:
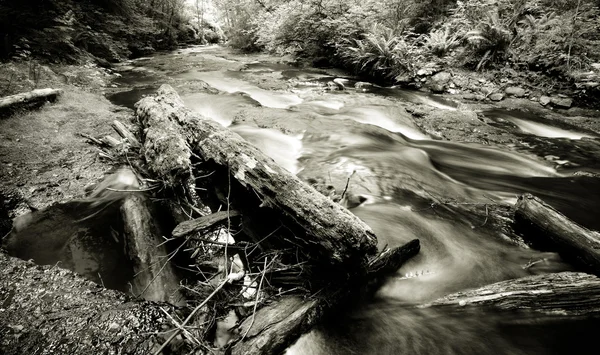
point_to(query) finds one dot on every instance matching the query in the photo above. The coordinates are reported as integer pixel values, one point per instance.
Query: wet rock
(439, 81)
(362, 85)
(340, 82)
(469, 96)
(562, 102)
(479, 97)
(515, 91)
(497, 96)
(544, 100)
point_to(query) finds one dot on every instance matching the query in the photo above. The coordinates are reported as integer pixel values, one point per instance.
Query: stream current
(366, 136)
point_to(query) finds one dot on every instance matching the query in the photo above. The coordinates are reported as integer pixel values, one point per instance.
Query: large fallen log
(565, 294)
(546, 228)
(330, 232)
(278, 213)
(35, 96)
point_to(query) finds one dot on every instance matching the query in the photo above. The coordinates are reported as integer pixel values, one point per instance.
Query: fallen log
(274, 327)
(546, 228)
(203, 224)
(565, 293)
(35, 96)
(318, 240)
(329, 232)
(155, 279)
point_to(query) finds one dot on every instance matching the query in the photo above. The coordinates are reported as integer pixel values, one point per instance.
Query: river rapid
(398, 175)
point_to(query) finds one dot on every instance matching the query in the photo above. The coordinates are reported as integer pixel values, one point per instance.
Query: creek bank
(498, 84)
(46, 309)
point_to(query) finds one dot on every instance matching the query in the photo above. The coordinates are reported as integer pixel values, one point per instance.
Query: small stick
(176, 332)
(347, 183)
(256, 300)
(179, 326)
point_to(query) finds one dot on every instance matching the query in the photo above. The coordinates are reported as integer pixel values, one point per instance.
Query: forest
(322, 177)
(106, 31)
(389, 40)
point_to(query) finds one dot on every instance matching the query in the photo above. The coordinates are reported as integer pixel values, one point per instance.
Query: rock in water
(515, 91)
(562, 102)
(544, 100)
(497, 96)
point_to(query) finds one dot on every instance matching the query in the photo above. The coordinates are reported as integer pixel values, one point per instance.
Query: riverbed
(400, 156)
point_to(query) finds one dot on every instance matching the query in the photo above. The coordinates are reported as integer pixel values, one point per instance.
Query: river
(366, 136)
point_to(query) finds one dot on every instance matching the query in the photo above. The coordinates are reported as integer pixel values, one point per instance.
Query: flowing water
(367, 136)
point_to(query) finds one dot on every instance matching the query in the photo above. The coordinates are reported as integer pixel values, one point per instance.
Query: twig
(176, 332)
(347, 183)
(256, 300)
(186, 333)
(228, 222)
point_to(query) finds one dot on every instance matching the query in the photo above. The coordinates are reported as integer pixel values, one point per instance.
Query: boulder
(497, 96)
(515, 91)
(439, 81)
(544, 100)
(562, 102)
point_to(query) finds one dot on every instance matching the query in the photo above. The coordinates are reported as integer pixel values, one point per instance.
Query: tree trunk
(546, 228)
(31, 97)
(329, 233)
(333, 250)
(565, 293)
(155, 279)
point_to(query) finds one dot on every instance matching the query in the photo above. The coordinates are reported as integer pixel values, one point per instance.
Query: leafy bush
(490, 41)
(381, 53)
(441, 41)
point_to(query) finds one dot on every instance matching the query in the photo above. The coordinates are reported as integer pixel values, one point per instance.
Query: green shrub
(441, 41)
(381, 53)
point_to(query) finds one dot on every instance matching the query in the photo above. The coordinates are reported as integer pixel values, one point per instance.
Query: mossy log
(546, 228)
(278, 212)
(174, 133)
(26, 98)
(565, 294)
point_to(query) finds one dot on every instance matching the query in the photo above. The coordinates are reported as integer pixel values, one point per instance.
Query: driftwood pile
(302, 256)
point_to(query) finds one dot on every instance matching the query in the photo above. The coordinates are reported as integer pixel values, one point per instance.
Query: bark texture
(35, 96)
(546, 228)
(565, 293)
(155, 279)
(331, 233)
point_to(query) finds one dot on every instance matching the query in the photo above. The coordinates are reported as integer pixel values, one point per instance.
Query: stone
(437, 88)
(479, 97)
(497, 96)
(544, 100)
(469, 96)
(439, 81)
(515, 91)
(442, 77)
(562, 102)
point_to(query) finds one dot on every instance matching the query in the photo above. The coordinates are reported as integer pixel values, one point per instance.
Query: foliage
(381, 53)
(107, 30)
(441, 41)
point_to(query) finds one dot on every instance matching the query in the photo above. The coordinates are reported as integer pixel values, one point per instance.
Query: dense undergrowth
(391, 40)
(70, 31)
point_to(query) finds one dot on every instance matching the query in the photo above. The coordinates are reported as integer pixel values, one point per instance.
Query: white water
(368, 140)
